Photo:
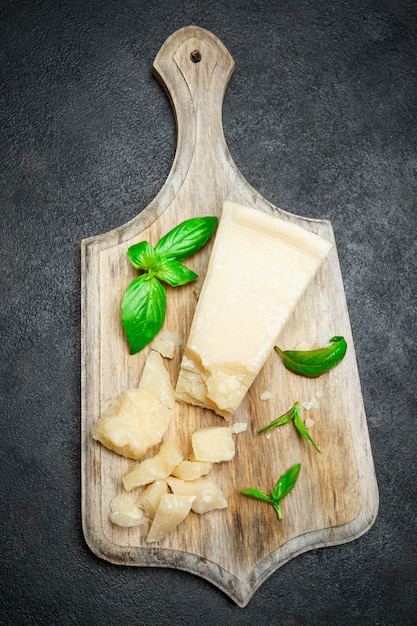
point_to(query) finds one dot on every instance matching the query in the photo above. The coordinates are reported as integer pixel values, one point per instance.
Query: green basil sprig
(313, 363)
(282, 488)
(293, 415)
(144, 302)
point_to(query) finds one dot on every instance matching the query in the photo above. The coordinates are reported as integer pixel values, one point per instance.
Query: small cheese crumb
(312, 404)
(309, 422)
(150, 498)
(265, 395)
(239, 427)
(319, 393)
(172, 510)
(307, 405)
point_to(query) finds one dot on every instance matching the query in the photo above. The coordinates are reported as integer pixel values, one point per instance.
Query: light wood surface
(336, 497)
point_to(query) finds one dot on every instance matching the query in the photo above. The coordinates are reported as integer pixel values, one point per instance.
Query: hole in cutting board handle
(195, 56)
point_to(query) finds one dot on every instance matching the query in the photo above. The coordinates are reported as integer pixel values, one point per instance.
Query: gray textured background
(320, 117)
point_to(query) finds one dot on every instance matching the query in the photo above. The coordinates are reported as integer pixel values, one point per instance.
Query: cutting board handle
(194, 68)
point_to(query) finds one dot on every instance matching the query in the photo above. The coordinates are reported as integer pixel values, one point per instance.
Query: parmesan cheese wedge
(259, 268)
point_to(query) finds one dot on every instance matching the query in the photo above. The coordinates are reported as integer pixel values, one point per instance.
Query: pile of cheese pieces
(172, 486)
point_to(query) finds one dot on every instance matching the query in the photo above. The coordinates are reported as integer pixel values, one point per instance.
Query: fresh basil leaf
(259, 495)
(313, 363)
(144, 302)
(284, 419)
(143, 256)
(143, 311)
(186, 238)
(285, 483)
(174, 273)
(282, 488)
(299, 424)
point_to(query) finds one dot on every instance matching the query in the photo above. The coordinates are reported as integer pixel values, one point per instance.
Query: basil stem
(293, 415)
(313, 363)
(282, 488)
(284, 419)
(299, 424)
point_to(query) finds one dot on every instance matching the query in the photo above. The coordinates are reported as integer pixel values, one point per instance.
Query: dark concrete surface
(320, 117)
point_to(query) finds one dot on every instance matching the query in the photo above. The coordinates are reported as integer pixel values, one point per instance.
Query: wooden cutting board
(336, 496)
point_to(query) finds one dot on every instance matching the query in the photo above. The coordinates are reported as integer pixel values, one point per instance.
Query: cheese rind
(259, 268)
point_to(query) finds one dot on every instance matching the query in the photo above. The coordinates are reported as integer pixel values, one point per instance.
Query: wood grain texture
(336, 497)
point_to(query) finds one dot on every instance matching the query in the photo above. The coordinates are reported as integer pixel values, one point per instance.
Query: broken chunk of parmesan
(239, 427)
(172, 510)
(158, 467)
(213, 444)
(156, 381)
(124, 512)
(191, 470)
(133, 424)
(150, 498)
(207, 494)
(138, 420)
